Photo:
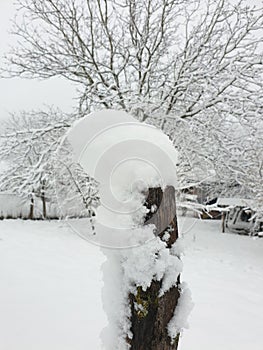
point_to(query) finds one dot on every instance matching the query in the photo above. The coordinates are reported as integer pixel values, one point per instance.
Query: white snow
(50, 286)
(126, 157)
(179, 321)
(224, 274)
(242, 202)
(51, 282)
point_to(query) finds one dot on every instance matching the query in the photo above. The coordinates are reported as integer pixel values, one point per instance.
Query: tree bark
(44, 204)
(31, 210)
(150, 329)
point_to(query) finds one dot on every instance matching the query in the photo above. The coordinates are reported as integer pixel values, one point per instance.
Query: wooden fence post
(150, 330)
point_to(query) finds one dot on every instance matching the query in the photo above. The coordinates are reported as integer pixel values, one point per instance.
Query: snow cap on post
(127, 158)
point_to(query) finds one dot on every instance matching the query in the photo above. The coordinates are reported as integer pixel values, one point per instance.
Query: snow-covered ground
(50, 284)
(51, 281)
(224, 273)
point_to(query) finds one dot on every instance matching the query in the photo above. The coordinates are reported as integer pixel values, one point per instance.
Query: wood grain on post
(150, 328)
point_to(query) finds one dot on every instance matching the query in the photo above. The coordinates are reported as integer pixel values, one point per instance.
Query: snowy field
(51, 280)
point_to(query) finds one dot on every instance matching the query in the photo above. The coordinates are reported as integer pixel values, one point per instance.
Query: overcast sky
(23, 94)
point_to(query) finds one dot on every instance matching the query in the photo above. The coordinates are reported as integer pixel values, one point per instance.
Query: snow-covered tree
(243, 158)
(28, 145)
(156, 59)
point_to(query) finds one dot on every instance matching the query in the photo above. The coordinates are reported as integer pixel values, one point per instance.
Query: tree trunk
(150, 330)
(31, 210)
(44, 205)
(43, 199)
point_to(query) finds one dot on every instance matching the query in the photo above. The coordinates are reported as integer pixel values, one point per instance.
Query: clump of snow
(166, 236)
(153, 261)
(115, 303)
(126, 157)
(167, 233)
(153, 208)
(177, 248)
(182, 310)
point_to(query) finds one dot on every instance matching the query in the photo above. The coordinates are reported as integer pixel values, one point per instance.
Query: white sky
(24, 94)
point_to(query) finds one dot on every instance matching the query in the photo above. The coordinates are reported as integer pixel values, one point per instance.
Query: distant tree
(40, 165)
(245, 159)
(28, 145)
